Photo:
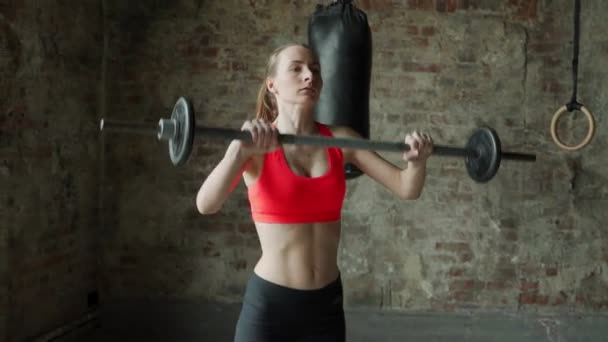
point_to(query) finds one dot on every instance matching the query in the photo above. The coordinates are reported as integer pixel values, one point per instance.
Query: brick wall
(530, 240)
(50, 56)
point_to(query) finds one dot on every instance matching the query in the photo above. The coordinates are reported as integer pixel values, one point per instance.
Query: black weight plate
(484, 164)
(180, 146)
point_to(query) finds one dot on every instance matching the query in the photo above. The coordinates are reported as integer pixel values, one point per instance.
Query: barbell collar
(167, 128)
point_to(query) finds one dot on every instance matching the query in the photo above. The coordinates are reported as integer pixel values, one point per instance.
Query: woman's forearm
(221, 181)
(412, 180)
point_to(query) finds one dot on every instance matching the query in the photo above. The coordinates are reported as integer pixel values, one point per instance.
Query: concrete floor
(177, 322)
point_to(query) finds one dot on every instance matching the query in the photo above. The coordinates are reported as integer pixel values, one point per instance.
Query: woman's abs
(299, 256)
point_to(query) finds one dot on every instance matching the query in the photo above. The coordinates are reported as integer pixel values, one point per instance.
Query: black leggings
(272, 312)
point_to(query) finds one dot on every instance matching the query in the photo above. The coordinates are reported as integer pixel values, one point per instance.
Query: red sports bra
(281, 196)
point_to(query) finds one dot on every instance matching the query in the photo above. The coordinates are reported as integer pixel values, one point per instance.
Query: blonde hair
(266, 106)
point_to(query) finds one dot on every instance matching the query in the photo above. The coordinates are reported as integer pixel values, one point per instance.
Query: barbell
(482, 152)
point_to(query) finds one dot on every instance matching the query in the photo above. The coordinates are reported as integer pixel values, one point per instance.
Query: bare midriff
(299, 256)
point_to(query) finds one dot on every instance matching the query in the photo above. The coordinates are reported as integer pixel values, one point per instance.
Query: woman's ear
(270, 85)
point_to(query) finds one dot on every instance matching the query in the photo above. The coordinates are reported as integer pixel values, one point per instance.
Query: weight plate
(484, 164)
(180, 146)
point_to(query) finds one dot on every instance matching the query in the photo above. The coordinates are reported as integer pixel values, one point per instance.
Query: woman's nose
(308, 74)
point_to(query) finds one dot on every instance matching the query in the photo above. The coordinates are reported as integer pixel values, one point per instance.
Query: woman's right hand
(264, 137)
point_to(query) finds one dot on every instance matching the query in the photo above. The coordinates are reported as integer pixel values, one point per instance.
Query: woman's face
(298, 77)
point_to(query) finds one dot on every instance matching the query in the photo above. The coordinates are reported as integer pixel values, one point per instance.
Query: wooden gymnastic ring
(585, 141)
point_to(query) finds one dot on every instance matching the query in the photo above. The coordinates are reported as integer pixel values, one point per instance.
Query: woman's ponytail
(266, 105)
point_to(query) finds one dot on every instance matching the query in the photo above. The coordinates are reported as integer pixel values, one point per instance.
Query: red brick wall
(532, 238)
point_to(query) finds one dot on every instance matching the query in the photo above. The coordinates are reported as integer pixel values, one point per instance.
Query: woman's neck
(296, 120)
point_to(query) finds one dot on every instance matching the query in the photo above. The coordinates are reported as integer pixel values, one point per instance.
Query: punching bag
(340, 35)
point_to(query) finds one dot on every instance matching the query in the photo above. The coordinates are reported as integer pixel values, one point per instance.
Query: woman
(296, 194)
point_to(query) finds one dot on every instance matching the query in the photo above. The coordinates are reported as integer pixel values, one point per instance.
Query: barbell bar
(482, 152)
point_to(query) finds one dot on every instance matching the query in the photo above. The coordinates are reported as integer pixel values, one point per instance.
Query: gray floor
(134, 322)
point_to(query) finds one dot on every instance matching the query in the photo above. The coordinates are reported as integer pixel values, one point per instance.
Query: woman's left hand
(421, 147)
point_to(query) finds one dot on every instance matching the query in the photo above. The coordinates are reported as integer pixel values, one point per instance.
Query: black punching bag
(340, 35)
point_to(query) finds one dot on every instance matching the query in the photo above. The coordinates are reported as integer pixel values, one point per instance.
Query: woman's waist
(285, 302)
(298, 268)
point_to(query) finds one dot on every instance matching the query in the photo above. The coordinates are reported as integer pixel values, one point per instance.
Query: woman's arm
(405, 183)
(239, 157)
(222, 180)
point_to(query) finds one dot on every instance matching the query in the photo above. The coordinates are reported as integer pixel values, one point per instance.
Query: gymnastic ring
(585, 141)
